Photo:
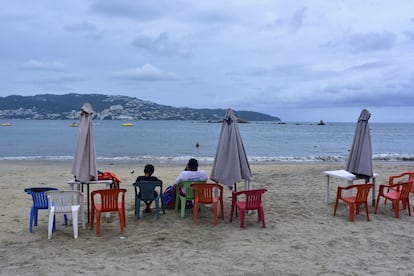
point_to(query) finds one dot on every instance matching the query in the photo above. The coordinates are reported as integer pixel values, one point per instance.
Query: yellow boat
(127, 124)
(6, 124)
(73, 125)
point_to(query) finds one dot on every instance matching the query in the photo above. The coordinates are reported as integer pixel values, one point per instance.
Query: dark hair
(192, 164)
(149, 169)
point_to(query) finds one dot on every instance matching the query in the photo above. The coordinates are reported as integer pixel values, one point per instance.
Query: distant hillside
(55, 107)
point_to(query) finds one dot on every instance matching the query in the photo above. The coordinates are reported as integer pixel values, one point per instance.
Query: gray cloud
(371, 41)
(160, 45)
(142, 9)
(147, 72)
(35, 65)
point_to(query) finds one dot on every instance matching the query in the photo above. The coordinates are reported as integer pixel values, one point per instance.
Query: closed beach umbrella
(230, 163)
(84, 166)
(360, 156)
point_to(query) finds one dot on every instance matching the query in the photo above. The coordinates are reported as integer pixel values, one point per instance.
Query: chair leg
(195, 212)
(242, 217)
(351, 212)
(408, 205)
(222, 210)
(98, 223)
(31, 218)
(75, 211)
(376, 204)
(396, 205)
(50, 222)
(215, 208)
(92, 217)
(121, 220)
(182, 202)
(367, 211)
(136, 207)
(261, 211)
(157, 208)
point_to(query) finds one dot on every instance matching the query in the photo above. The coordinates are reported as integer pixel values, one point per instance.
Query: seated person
(148, 171)
(191, 173)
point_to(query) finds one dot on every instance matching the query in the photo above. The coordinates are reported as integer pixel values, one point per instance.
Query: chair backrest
(146, 189)
(253, 198)
(205, 192)
(402, 177)
(188, 190)
(39, 198)
(405, 188)
(362, 192)
(64, 200)
(108, 199)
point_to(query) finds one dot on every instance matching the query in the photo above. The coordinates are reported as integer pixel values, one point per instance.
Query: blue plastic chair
(145, 191)
(39, 203)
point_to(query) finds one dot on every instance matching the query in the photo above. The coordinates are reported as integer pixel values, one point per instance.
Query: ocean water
(175, 141)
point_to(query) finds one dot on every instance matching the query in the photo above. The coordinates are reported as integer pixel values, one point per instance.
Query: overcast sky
(298, 60)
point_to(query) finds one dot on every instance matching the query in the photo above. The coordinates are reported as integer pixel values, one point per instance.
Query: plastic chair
(146, 191)
(39, 203)
(402, 177)
(207, 193)
(361, 197)
(181, 199)
(396, 193)
(253, 201)
(108, 200)
(67, 203)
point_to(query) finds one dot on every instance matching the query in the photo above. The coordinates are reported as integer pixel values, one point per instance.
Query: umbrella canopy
(360, 156)
(84, 166)
(230, 163)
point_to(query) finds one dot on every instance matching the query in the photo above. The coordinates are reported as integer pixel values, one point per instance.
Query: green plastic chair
(188, 195)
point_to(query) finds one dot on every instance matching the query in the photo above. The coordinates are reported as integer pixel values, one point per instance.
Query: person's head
(192, 165)
(149, 169)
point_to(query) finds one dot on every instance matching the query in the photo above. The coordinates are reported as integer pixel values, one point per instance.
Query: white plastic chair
(68, 203)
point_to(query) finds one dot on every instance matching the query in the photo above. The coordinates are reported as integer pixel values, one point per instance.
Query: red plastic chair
(361, 197)
(253, 201)
(207, 193)
(402, 177)
(108, 200)
(396, 193)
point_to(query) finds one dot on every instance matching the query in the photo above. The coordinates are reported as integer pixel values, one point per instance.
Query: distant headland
(108, 107)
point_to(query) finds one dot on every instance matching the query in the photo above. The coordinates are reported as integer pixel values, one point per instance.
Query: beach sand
(301, 237)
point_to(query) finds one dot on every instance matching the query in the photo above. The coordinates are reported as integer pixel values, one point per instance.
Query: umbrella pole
(235, 190)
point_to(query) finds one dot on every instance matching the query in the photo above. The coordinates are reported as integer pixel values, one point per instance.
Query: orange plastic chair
(253, 201)
(396, 193)
(207, 193)
(108, 200)
(403, 177)
(361, 197)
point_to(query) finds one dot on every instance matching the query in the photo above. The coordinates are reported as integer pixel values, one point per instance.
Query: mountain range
(108, 107)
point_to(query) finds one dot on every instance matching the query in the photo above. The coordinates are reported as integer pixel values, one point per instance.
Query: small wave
(210, 159)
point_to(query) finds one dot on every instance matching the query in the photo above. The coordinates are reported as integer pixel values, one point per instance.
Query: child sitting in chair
(148, 171)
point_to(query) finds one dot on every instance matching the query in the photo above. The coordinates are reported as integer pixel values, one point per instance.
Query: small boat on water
(73, 124)
(5, 124)
(127, 124)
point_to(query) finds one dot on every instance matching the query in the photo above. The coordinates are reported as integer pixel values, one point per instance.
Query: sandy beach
(301, 237)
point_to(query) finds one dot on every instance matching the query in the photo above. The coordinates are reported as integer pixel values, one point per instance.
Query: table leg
(327, 190)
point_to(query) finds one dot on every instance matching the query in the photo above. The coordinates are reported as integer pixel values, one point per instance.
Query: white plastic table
(79, 185)
(343, 174)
